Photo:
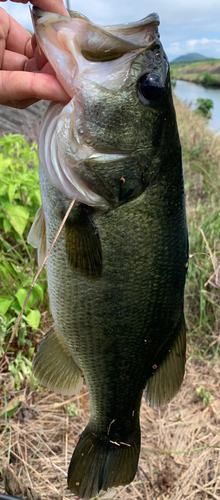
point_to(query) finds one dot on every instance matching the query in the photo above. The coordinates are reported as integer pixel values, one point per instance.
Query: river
(189, 92)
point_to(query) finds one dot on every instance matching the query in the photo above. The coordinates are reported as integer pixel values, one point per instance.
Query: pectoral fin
(168, 377)
(37, 235)
(54, 366)
(82, 243)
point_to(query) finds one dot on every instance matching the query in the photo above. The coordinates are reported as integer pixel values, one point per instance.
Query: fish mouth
(89, 60)
(75, 46)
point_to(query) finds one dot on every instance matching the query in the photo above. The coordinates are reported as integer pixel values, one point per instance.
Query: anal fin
(54, 367)
(166, 381)
(37, 235)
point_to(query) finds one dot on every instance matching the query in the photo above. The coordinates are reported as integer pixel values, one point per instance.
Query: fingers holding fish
(19, 88)
(49, 5)
(19, 53)
(29, 88)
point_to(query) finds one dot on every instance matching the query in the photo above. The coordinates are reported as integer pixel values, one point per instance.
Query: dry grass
(180, 455)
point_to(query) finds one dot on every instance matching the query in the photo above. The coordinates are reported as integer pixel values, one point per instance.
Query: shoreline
(194, 80)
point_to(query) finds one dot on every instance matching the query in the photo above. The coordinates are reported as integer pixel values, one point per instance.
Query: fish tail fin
(99, 463)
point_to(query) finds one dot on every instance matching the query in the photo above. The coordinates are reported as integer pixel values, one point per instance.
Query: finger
(40, 58)
(20, 85)
(47, 5)
(24, 103)
(46, 68)
(18, 37)
(12, 35)
(14, 62)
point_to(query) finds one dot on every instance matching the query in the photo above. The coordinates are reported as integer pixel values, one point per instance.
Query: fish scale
(117, 272)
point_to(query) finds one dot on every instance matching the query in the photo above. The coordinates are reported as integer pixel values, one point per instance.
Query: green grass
(201, 160)
(19, 201)
(199, 72)
(188, 64)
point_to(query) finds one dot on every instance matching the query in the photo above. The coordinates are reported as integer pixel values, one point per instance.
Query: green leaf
(16, 308)
(12, 405)
(18, 217)
(38, 290)
(3, 188)
(33, 319)
(4, 163)
(4, 305)
(6, 225)
(21, 296)
(11, 191)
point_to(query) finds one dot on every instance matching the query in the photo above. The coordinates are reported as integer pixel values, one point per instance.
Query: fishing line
(34, 281)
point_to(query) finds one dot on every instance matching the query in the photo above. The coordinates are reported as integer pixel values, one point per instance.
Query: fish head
(118, 81)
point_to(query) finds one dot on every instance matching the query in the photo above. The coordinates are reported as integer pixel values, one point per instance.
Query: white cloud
(205, 46)
(182, 12)
(186, 25)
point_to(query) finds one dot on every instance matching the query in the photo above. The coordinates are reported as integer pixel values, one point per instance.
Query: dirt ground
(180, 452)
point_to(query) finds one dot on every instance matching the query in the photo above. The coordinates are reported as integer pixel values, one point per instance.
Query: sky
(185, 25)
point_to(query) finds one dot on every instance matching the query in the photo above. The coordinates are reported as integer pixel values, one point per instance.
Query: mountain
(192, 57)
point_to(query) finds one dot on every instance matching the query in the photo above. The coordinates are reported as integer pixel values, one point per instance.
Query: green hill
(192, 57)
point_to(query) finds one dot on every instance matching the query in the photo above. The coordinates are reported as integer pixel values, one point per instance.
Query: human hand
(25, 74)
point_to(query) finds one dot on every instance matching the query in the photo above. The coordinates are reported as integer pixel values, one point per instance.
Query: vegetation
(207, 79)
(204, 107)
(173, 83)
(19, 201)
(201, 160)
(205, 72)
(191, 57)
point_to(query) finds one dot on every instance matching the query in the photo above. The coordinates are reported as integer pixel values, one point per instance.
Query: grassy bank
(206, 73)
(201, 161)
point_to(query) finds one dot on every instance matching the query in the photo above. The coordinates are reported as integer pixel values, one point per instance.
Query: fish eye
(150, 87)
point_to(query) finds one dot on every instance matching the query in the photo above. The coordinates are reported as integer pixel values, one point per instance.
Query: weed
(205, 395)
(201, 161)
(19, 201)
(207, 79)
(72, 410)
(204, 107)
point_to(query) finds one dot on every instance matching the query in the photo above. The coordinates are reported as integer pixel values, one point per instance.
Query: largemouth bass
(117, 273)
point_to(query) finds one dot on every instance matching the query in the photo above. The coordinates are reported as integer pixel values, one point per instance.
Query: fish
(116, 274)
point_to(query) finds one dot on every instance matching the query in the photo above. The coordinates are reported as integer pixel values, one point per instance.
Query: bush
(19, 201)
(204, 107)
(207, 79)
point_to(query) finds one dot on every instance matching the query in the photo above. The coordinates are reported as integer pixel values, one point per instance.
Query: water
(189, 92)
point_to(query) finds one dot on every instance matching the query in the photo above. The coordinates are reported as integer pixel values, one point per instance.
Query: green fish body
(117, 272)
